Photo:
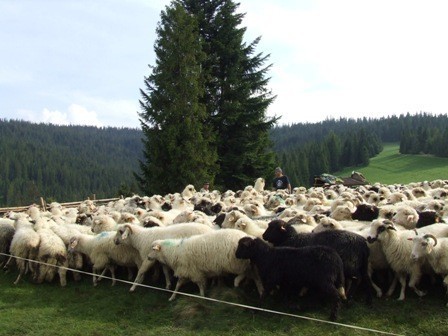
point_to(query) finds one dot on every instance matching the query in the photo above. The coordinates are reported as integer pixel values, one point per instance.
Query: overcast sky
(83, 61)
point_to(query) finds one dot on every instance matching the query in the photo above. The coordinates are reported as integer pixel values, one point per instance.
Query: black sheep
(366, 212)
(317, 267)
(351, 247)
(428, 217)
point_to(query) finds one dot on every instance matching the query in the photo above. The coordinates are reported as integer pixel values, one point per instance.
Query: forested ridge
(65, 163)
(70, 163)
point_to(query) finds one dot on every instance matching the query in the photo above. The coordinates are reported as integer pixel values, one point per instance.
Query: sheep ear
(157, 247)
(126, 232)
(243, 224)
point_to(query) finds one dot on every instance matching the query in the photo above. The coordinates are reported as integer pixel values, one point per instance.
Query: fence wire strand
(212, 299)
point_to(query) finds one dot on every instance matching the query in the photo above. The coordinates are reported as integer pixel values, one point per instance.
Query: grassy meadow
(81, 309)
(390, 167)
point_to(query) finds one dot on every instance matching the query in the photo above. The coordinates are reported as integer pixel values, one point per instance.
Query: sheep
(231, 218)
(248, 226)
(103, 223)
(52, 257)
(188, 192)
(6, 235)
(141, 239)
(104, 253)
(317, 267)
(24, 246)
(201, 257)
(435, 251)
(428, 217)
(405, 216)
(259, 184)
(365, 212)
(351, 247)
(397, 250)
(377, 259)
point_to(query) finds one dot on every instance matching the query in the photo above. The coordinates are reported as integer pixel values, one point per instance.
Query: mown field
(390, 167)
(81, 309)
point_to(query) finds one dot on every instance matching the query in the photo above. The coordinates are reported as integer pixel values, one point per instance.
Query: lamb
(104, 253)
(141, 239)
(201, 257)
(52, 255)
(351, 247)
(317, 267)
(435, 251)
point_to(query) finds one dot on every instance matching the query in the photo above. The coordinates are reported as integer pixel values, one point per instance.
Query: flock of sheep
(330, 240)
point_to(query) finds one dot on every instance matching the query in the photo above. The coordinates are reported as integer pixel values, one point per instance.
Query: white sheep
(52, 255)
(435, 251)
(24, 246)
(141, 239)
(199, 258)
(248, 226)
(104, 253)
(405, 216)
(103, 223)
(259, 184)
(397, 250)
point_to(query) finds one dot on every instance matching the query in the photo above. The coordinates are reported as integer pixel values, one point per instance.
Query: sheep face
(122, 234)
(378, 228)
(276, 232)
(422, 246)
(245, 249)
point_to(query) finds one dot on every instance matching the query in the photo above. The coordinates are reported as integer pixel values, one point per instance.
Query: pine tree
(176, 136)
(236, 94)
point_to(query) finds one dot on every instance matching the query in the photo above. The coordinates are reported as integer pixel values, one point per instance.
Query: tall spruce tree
(236, 93)
(178, 144)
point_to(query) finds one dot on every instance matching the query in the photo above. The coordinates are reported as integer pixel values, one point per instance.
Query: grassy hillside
(390, 167)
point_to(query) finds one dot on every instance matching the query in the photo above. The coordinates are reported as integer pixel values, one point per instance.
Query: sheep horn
(127, 226)
(428, 235)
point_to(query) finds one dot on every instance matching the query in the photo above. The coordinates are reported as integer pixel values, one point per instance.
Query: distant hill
(391, 167)
(65, 163)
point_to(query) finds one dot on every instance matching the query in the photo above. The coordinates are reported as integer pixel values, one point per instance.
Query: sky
(83, 62)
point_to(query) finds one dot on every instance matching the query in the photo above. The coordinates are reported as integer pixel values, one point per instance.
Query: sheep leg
(144, 267)
(392, 286)
(445, 282)
(112, 272)
(6, 266)
(62, 271)
(379, 292)
(166, 272)
(179, 283)
(238, 280)
(402, 279)
(415, 277)
(202, 284)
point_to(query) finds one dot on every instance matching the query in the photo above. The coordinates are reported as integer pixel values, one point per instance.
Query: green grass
(391, 167)
(81, 309)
